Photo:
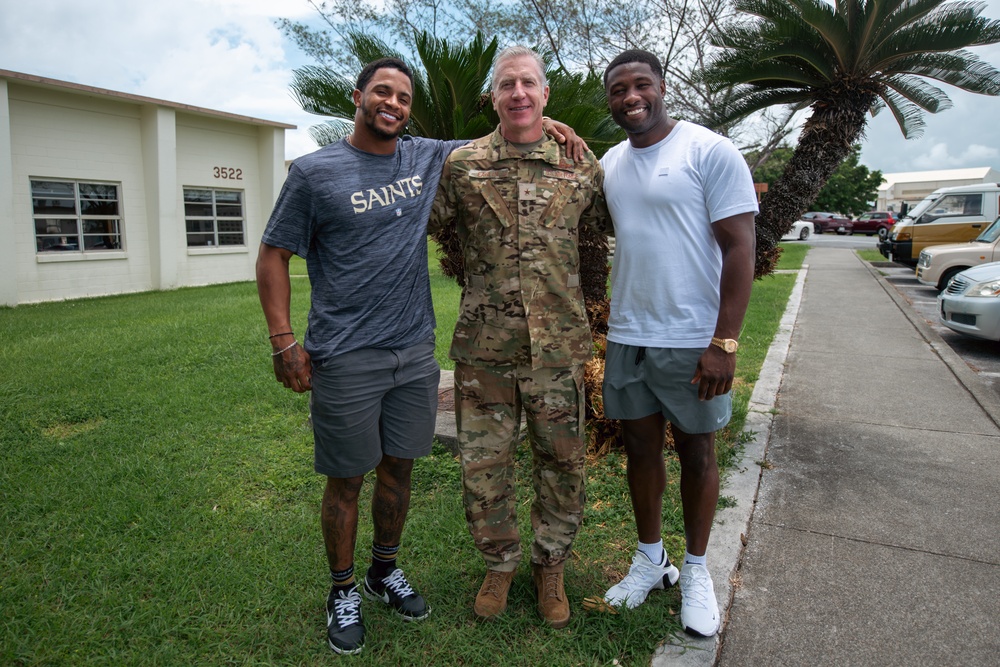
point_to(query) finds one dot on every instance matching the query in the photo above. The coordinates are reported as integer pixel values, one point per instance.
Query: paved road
(831, 240)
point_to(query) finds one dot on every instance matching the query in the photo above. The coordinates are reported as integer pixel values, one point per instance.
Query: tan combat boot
(552, 602)
(492, 597)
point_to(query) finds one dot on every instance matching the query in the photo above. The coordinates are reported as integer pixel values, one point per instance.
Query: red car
(875, 222)
(829, 222)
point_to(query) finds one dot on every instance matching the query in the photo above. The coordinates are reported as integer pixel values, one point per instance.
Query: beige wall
(913, 193)
(152, 152)
(60, 136)
(204, 144)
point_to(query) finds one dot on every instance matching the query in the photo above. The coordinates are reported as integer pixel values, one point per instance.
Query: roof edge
(46, 82)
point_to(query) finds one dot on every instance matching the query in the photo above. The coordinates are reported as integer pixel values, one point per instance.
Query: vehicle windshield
(918, 210)
(991, 233)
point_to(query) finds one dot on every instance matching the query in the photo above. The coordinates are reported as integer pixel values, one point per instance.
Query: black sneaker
(344, 628)
(395, 591)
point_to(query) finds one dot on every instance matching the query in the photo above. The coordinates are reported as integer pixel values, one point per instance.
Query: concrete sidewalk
(876, 536)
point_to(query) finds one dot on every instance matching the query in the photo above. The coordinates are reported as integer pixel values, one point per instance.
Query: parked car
(801, 230)
(947, 215)
(875, 222)
(829, 222)
(970, 304)
(938, 264)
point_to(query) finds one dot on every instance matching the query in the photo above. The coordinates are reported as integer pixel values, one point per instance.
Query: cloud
(218, 54)
(228, 55)
(940, 157)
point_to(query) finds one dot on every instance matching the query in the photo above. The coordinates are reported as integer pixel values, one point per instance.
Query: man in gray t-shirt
(357, 211)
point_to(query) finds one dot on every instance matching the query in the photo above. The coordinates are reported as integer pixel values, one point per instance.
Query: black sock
(343, 580)
(383, 561)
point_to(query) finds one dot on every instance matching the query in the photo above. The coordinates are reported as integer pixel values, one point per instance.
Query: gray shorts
(640, 381)
(370, 402)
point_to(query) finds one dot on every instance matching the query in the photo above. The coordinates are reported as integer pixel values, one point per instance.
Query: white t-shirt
(667, 264)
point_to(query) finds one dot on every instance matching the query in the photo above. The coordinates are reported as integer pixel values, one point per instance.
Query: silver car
(970, 304)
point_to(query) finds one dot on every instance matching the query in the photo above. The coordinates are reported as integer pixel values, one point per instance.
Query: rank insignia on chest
(526, 191)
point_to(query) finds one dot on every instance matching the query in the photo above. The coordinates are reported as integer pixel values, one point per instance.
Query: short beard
(369, 120)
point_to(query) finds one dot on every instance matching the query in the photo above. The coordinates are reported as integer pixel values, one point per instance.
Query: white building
(913, 186)
(102, 192)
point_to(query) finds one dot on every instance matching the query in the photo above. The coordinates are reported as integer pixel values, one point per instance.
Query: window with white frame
(213, 217)
(76, 215)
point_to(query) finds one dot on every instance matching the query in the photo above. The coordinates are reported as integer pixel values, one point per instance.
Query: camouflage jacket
(517, 217)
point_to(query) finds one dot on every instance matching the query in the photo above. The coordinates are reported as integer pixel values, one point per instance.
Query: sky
(228, 55)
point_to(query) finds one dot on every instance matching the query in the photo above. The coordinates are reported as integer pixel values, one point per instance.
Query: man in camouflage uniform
(522, 335)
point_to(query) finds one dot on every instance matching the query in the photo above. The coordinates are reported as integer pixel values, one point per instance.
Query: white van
(947, 215)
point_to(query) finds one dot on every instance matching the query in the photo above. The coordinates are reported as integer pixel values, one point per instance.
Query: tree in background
(450, 99)
(851, 189)
(578, 36)
(844, 61)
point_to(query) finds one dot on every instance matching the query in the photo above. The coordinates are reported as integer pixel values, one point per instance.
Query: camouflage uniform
(522, 335)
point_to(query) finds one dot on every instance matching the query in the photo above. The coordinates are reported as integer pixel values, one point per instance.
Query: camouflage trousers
(488, 407)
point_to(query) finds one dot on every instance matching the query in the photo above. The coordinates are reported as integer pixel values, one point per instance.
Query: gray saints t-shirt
(360, 222)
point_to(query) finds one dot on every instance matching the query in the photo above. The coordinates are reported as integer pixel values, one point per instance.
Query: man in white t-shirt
(683, 205)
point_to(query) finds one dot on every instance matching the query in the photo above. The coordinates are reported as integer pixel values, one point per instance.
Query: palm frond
(578, 99)
(926, 96)
(322, 91)
(772, 11)
(748, 99)
(456, 77)
(908, 115)
(367, 47)
(813, 62)
(877, 106)
(331, 131)
(830, 26)
(735, 68)
(892, 16)
(959, 68)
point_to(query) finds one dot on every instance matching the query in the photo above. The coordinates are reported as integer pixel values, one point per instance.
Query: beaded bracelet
(287, 333)
(284, 349)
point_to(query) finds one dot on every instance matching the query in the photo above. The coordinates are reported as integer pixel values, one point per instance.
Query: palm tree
(449, 93)
(843, 61)
(451, 100)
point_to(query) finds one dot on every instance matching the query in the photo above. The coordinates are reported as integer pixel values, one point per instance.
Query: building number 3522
(228, 173)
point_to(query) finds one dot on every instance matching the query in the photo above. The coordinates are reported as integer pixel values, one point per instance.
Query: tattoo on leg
(339, 520)
(391, 499)
(389, 506)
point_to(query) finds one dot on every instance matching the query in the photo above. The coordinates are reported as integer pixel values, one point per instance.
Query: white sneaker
(643, 577)
(699, 608)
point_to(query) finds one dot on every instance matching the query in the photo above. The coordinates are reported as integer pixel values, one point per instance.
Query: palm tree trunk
(827, 138)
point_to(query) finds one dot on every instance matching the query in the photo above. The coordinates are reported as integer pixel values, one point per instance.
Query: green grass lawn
(159, 504)
(792, 255)
(870, 255)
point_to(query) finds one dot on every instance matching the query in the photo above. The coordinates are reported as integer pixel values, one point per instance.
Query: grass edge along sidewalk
(159, 504)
